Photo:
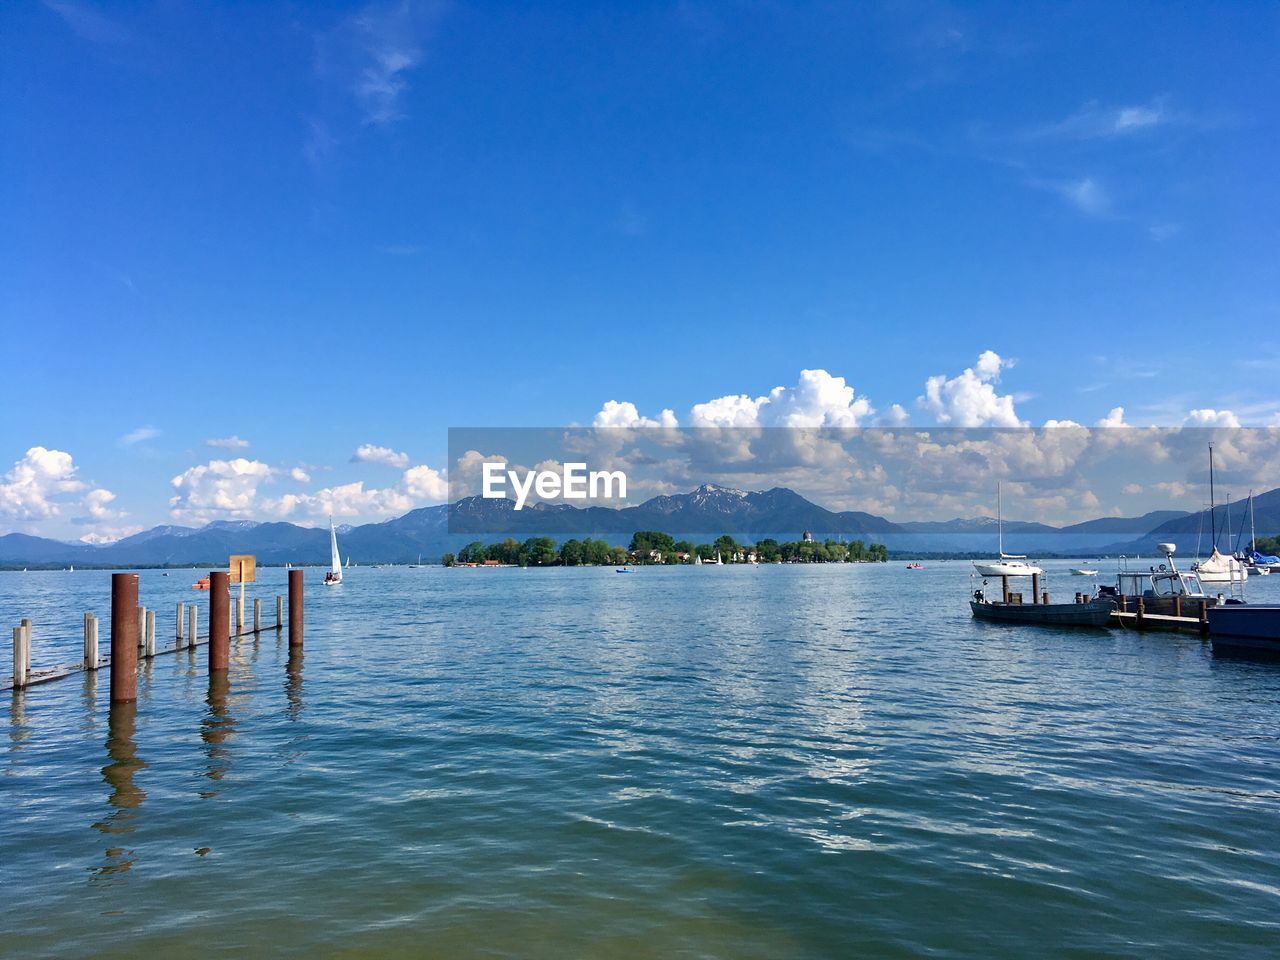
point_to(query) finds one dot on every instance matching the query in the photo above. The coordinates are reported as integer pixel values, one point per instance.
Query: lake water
(827, 761)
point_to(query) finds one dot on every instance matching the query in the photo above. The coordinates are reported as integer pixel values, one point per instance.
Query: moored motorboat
(1245, 626)
(1091, 613)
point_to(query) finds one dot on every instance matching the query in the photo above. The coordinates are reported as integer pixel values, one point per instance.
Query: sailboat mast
(1253, 533)
(1213, 507)
(999, 523)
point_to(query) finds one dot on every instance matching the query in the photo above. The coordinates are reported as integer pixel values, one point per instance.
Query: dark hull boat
(1245, 626)
(1095, 613)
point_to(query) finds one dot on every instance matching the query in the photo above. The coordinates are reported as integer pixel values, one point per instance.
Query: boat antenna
(999, 523)
(1213, 509)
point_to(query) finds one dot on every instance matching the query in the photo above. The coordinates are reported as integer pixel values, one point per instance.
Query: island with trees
(656, 547)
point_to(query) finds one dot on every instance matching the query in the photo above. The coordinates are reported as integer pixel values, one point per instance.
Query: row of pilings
(125, 626)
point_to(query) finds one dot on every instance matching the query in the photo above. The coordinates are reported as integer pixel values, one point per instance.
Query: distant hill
(701, 514)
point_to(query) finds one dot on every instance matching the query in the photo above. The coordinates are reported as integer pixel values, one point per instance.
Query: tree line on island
(655, 547)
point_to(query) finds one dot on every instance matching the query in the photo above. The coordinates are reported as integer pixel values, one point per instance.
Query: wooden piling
(279, 611)
(151, 633)
(1035, 588)
(295, 608)
(192, 624)
(19, 664)
(219, 621)
(235, 616)
(1142, 612)
(124, 637)
(1004, 589)
(90, 642)
(182, 615)
(1204, 616)
(142, 626)
(1177, 604)
(257, 615)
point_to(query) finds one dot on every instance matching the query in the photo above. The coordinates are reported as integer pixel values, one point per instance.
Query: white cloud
(371, 54)
(625, 414)
(817, 400)
(1131, 488)
(1211, 418)
(95, 501)
(1115, 418)
(219, 489)
(369, 453)
(139, 435)
(1095, 122)
(344, 500)
(970, 399)
(90, 24)
(227, 443)
(895, 416)
(424, 483)
(29, 489)
(1086, 195)
(300, 475)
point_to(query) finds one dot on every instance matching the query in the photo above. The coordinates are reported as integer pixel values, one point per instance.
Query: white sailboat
(697, 560)
(1009, 564)
(1218, 568)
(334, 577)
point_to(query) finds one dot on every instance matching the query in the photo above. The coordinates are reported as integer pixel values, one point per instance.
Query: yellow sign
(244, 568)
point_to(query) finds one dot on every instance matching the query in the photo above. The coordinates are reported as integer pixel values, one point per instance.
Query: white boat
(1009, 564)
(1255, 564)
(719, 562)
(1219, 568)
(334, 577)
(697, 560)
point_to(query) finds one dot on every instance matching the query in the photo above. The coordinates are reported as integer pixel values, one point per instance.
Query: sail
(335, 560)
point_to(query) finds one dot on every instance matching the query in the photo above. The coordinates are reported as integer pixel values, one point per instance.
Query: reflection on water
(126, 796)
(216, 730)
(293, 684)
(19, 732)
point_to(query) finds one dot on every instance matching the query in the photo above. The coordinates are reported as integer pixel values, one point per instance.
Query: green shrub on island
(656, 547)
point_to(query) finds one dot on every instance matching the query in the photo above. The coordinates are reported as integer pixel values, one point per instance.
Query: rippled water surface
(700, 762)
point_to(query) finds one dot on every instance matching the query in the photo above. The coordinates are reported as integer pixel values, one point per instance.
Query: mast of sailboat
(1253, 533)
(999, 523)
(1213, 507)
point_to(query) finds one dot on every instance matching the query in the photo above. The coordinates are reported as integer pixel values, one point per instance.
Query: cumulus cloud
(219, 489)
(227, 443)
(816, 400)
(1211, 418)
(625, 414)
(970, 399)
(30, 488)
(300, 475)
(424, 483)
(1115, 418)
(369, 453)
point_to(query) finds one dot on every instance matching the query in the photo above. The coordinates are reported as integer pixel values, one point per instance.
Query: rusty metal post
(124, 637)
(1035, 588)
(295, 608)
(219, 621)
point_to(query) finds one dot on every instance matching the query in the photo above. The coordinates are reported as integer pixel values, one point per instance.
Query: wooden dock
(1130, 620)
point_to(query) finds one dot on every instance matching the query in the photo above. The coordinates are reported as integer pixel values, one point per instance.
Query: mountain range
(700, 515)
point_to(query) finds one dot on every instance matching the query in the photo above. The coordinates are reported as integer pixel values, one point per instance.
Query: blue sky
(322, 227)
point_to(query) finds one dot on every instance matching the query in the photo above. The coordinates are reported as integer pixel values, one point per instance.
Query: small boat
(334, 577)
(1083, 572)
(915, 566)
(697, 560)
(1009, 564)
(201, 584)
(719, 562)
(623, 570)
(1164, 590)
(1218, 568)
(1093, 613)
